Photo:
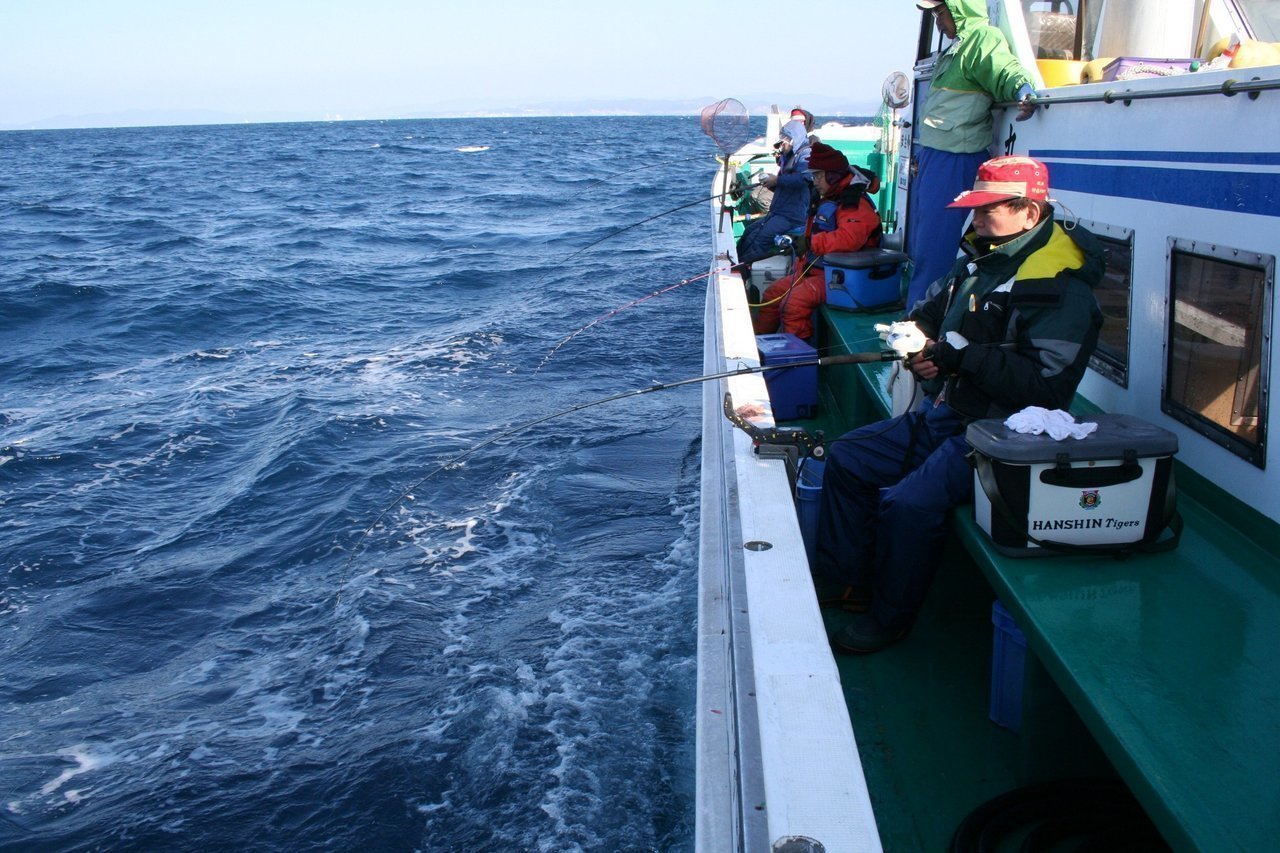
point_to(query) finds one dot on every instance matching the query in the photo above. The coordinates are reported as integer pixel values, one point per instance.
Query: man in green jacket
(975, 71)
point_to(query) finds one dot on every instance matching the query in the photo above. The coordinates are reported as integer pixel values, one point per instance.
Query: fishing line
(646, 166)
(795, 279)
(622, 308)
(745, 370)
(568, 258)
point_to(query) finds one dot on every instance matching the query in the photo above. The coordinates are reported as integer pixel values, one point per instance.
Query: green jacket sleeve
(989, 63)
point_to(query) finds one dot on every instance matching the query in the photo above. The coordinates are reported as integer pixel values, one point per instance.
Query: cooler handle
(1084, 478)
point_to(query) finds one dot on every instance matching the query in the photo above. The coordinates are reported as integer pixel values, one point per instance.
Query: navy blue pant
(934, 230)
(887, 491)
(756, 241)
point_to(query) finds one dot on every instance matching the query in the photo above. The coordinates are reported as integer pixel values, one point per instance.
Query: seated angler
(792, 190)
(844, 220)
(1011, 325)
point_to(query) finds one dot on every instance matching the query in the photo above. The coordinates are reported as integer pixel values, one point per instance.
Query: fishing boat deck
(1186, 638)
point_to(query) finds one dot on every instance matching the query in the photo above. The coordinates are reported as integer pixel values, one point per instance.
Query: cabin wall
(1199, 169)
(1196, 170)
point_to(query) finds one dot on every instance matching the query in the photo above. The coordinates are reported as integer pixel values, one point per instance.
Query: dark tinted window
(1218, 352)
(1115, 296)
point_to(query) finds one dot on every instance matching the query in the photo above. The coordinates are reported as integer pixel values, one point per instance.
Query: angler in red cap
(844, 220)
(1011, 325)
(800, 114)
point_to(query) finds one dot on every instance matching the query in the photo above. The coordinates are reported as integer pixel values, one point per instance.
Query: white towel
(1057, 423)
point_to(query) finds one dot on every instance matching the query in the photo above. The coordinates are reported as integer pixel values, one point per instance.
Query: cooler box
(1111, 489)
(793, 391)
(860, 281)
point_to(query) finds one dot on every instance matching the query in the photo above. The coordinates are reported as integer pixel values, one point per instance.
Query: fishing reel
(903, 337)
(739, 187)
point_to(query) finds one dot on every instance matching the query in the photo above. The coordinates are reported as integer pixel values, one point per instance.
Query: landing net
(726, 122)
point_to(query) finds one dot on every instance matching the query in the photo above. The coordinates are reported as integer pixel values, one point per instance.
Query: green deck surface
(920, 714)
(1172, 662)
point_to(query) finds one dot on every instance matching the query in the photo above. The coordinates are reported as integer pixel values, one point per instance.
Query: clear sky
(298, 59)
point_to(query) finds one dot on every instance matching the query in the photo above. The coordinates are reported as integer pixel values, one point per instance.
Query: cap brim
(971, 198)
(926, 5)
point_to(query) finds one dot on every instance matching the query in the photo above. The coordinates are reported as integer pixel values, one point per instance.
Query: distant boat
(468, 149)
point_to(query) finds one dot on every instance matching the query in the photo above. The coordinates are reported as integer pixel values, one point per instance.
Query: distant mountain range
(756, 105)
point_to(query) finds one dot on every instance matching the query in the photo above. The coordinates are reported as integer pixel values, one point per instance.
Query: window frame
(1102, 364)
(1255, 453)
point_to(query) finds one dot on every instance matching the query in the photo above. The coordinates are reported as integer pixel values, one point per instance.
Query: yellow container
(1249, 53)
(1093, 71)
(1060, 72)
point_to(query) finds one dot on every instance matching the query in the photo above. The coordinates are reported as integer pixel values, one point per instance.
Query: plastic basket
(808, 497)
(1008, 659)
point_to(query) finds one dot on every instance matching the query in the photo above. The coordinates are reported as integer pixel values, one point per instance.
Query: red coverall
(855, 224)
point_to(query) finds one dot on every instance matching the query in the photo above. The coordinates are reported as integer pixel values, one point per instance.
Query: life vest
(826, 216)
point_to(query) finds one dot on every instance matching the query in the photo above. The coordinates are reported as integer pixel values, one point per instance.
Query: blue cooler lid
(783, 346)
(1116, 434)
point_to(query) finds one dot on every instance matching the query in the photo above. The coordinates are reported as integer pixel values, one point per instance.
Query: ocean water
(255, 592)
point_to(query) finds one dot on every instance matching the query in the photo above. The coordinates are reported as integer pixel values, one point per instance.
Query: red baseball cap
(1004, 178)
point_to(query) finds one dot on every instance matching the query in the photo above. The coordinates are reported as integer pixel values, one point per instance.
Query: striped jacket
(1028, 311)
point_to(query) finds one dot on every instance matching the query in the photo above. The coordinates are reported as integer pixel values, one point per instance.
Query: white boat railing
(777, 763)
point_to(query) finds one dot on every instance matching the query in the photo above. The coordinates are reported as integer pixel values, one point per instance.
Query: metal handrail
(1229, 87)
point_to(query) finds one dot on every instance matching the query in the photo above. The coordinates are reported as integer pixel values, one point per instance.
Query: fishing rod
(668, 289)
(745, 370)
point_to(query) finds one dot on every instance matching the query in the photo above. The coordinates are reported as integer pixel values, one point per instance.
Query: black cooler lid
(863, 260)
(1115, 435)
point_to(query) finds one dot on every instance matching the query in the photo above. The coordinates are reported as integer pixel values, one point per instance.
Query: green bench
(1172, 663)
(1169, 663)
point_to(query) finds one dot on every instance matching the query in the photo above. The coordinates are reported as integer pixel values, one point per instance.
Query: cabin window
(1216, 376)
(1054, 28)
(1088, 29)
(1264, 18)
(1115, 297)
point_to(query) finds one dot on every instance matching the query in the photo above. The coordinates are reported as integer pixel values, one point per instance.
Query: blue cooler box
(861, 281)
(793, 391)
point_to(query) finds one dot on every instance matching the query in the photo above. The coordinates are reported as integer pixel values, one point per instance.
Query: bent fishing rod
(745, 370)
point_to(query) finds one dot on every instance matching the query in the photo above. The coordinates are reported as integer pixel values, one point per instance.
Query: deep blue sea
(242, 605)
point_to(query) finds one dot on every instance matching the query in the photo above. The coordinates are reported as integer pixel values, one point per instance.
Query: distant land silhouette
(756, 105)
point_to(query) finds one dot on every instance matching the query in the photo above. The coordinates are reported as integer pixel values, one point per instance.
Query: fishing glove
(948, 352)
